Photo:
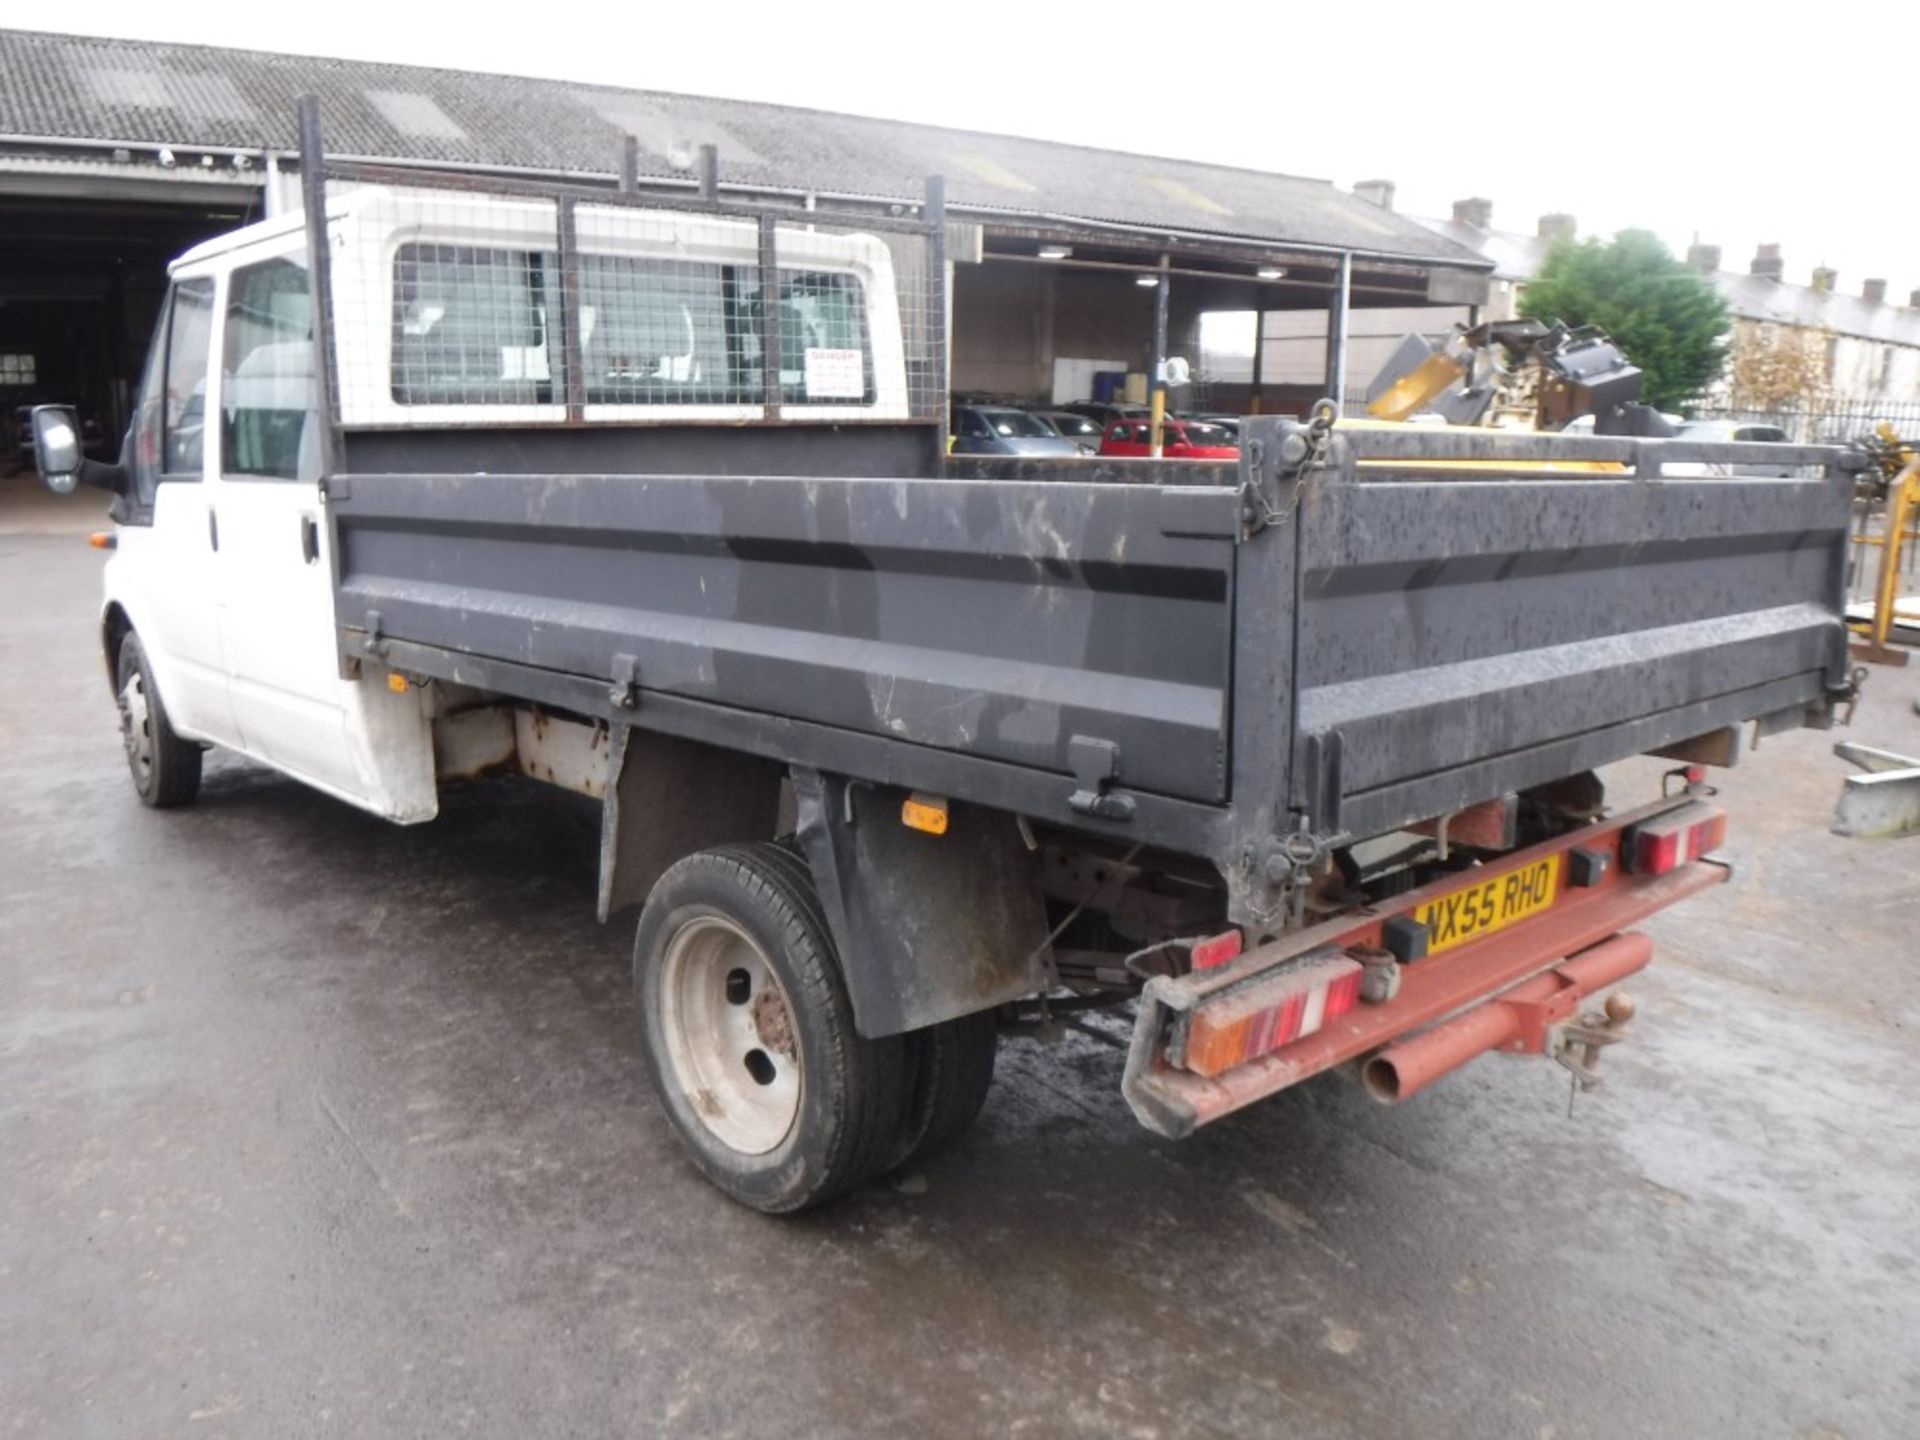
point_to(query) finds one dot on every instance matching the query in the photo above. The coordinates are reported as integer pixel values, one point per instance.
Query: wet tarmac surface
(313, 1125)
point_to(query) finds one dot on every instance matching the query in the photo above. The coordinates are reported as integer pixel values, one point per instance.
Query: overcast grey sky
(1741, 123)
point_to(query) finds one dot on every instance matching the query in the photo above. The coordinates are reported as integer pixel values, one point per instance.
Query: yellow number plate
(1494, 904)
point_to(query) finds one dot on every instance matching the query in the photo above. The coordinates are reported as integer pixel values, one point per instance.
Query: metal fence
(1825, 422)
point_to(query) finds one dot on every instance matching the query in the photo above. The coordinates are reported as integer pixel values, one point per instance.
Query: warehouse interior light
(1271, 272)
(1055, 252)
(1146, 281)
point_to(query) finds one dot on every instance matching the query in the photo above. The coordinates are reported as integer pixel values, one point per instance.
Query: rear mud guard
(929, 927)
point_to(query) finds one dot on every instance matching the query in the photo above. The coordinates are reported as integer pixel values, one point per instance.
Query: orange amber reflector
(924, 812)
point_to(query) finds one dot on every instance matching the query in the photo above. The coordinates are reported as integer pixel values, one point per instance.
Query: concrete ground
(312, 1125)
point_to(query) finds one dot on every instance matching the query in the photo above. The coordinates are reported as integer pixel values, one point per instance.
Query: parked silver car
(1002, 430)
(1072, 426)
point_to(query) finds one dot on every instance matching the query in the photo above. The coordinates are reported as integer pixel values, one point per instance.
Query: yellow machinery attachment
(1899, 465)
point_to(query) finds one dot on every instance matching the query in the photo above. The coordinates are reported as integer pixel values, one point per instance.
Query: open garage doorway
(80, 282)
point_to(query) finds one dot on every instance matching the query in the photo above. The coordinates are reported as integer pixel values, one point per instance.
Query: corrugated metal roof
(80, 88)
(1518, 257)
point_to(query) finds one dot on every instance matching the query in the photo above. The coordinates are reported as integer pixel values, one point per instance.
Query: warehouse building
(117, 155)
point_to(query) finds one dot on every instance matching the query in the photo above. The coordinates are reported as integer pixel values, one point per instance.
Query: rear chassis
(1517, 989)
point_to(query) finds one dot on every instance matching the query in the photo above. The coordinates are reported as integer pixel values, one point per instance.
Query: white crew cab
(443, 307)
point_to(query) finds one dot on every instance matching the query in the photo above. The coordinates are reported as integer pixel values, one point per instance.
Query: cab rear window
(470, 325)
(475, 326)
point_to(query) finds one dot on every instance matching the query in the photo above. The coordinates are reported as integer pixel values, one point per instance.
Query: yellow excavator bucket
(1419, 385)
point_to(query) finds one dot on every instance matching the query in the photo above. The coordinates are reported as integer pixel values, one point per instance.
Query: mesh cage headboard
(453, 300)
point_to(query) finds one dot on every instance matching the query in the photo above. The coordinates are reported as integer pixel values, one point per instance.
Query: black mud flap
(929, 927)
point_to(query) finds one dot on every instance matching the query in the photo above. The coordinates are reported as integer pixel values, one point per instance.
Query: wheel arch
(669, 797)
(115, 626)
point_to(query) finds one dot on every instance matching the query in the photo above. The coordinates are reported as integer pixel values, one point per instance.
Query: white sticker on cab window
(835, 375)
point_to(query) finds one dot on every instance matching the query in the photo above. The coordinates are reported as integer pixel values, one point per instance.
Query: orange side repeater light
(924, 812)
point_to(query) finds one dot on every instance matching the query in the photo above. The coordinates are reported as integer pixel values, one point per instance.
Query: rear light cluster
(1666, 842)
(1290, 1004)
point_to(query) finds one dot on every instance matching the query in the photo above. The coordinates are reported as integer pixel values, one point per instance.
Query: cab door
(169, 545)
(275, 590)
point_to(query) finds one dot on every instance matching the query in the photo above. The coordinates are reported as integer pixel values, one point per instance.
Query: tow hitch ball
(1583, 1040)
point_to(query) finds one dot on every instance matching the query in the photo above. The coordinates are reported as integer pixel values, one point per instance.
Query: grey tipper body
(1213, 670)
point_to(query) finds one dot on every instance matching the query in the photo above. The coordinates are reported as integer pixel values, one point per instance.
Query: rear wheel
(165, 768)
(749, 1032)
(951, 1066)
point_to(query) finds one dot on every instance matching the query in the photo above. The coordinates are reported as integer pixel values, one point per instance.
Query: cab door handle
(309, 539)
(213, 528)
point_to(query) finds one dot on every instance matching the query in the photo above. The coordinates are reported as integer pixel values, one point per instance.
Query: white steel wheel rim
(729, 1032)
(136, 727)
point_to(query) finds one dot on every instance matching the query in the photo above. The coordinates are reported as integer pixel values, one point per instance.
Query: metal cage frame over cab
(925, 221)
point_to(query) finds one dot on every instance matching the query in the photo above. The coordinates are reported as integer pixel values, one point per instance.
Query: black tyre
(165, 768)
(951, 1066)
(748, 1032)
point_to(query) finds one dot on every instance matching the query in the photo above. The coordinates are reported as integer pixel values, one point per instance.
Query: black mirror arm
(103, 475)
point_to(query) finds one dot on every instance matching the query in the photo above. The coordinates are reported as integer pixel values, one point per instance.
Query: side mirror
(56, 446)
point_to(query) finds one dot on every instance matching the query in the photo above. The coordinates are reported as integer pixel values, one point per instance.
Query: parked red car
(1181, 440)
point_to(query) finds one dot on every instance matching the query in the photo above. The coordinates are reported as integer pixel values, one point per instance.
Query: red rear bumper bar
(1503, 991)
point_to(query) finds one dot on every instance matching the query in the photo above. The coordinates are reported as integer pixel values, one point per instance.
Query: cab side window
(141, 455)
(184, 418)
(267, 358)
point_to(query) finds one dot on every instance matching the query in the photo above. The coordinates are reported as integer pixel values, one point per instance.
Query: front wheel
(165, 768)
(749, 1034)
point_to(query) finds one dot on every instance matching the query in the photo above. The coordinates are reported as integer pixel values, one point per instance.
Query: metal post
(939, 307)
(1256, 402)
(1902, 508)
(313, 199)
(1337, 331)
(573, 352)
(1158, 404)
(629, 164)
(710, 173)
(770, 343)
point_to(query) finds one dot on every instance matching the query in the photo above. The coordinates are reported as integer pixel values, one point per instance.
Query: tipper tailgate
(1469, 633)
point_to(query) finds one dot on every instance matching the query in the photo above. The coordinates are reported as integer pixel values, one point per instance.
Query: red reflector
(1655, 854)
(1217, 950)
